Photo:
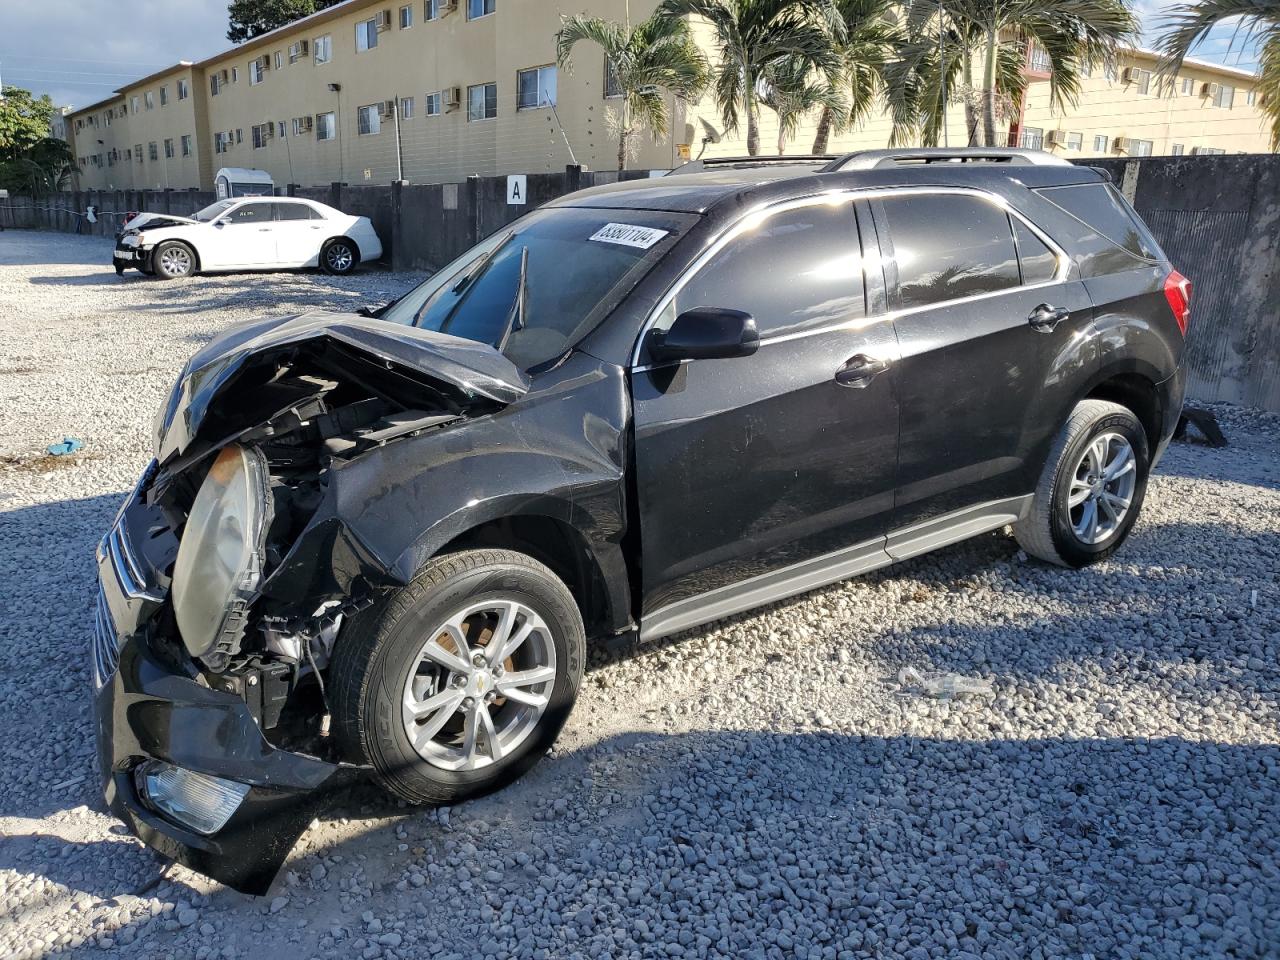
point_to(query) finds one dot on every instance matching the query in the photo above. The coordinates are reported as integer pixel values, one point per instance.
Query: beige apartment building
(435, 90)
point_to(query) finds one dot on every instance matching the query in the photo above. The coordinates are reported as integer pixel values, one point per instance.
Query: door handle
(1046, 316)
(859, 370)
(264, 229)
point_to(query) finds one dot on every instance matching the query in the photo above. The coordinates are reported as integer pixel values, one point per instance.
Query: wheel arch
(1137, 391)
(557, 543)
(190, 245)
(355, 245)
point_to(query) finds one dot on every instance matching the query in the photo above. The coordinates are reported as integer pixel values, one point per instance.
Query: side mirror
(706, 333)
(223, 222)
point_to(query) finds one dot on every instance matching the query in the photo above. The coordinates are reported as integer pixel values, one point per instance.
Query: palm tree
(934, 72)
(873, 38)
(644, 60)
(752, 34)
(1258, 20)
(991, 36)
(791, 89)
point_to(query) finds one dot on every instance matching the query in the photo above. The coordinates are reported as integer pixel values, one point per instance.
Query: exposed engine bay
(242, 532)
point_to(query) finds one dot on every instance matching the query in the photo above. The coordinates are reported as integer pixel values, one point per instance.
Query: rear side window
(295, 211)
(1101, 207)
(798, 269)
(948, 246)
(1036, 261)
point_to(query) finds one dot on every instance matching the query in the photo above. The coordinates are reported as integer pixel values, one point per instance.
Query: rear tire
(1091, 489)
(173, 260)
(339, 257)
(414, 696)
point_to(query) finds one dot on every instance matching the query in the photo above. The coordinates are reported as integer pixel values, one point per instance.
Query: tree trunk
(824, 132)
(989, 90)
(622, 138)
(753, 132)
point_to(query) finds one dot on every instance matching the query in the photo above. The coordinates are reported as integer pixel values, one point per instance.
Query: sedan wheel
(173, 260)
(1102, 488)
(338, 257)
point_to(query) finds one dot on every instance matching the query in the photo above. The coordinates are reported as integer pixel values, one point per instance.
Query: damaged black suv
(377, 544)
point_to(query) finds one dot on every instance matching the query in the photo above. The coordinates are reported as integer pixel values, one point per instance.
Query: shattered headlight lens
(198, 801)
(219, 564)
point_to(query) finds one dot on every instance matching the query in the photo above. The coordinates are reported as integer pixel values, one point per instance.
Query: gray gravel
(764, 788)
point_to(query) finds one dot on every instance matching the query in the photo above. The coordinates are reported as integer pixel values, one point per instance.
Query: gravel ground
(764, 788)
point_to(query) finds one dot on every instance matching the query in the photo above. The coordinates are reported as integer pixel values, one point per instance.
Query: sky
(98, 45)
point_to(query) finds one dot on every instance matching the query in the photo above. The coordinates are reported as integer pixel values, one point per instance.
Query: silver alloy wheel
(175, 261)
(339, 257)
(1102, 487)
(479, 685)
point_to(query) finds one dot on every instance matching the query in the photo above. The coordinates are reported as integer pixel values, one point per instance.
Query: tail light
(1177, 290)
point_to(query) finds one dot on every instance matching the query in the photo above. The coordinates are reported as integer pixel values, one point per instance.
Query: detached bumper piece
(184, 766)
(189, 772)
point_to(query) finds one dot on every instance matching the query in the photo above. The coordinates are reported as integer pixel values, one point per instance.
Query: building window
(430, 9)
(406, 17)
(168, 148)
(1176, 150)
(431, 104)
(1031, 138)
(1188, 85)
(369, 120)
(482, 102)
(219, 142)
(186, 145)
(1100, 143)
(261, 134)
(326, 129)
(164, 96)
(324, 48)
(612, 85)
(1225, 97)
(215, 85)
(1075, 141)
(406, 108)
(1038, 60)
(133, 103)
(1208, 151)
(239, 135)
(235, 74)
(366, 35)
(535, 87)
(1251, 98)
(153, 151)
(480, 8)
(1140, 148)
(149, 100)
(184, 89)
(280, 129)
(1141, 79)
(106, 117)
(257, 71)
(278, 60)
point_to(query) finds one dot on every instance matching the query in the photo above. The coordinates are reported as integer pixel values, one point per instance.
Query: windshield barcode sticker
(629, 235)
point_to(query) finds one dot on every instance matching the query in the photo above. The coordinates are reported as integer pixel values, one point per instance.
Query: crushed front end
(228, 572)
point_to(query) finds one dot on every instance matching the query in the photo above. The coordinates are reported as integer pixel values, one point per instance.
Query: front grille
(105, 645)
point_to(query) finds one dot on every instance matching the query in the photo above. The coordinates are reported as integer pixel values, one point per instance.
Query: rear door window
(1101, 207)
(294, 211)
(798, 269)
(948, 246)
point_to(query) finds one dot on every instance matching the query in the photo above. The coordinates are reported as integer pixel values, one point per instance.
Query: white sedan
(247, 233)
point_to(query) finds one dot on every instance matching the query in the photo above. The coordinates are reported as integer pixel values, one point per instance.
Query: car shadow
(1073, 839)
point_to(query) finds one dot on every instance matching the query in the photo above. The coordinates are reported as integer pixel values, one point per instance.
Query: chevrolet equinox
(377, 544)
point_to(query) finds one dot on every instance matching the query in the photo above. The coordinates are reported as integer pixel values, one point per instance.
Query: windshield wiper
(515, 316)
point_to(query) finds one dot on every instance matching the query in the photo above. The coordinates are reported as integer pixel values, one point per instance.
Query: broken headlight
(219, 564)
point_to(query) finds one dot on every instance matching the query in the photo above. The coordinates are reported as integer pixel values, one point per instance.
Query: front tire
(173, 260)
(339, 257)
(420, 694)
(1092, 487)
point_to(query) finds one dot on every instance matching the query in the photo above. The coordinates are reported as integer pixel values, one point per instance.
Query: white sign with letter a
(516, 188)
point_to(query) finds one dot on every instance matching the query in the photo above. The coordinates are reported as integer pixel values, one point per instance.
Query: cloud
(79, 51)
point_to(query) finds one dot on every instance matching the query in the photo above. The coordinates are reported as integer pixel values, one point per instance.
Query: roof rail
(712, 163)
(873, 159)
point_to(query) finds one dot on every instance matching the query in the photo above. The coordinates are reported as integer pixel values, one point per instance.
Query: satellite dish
(709, 135)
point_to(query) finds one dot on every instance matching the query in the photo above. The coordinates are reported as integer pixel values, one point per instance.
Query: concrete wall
(1218, 219)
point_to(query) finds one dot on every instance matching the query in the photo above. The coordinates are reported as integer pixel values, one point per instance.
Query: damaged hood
(464, 369)
(155, 220)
